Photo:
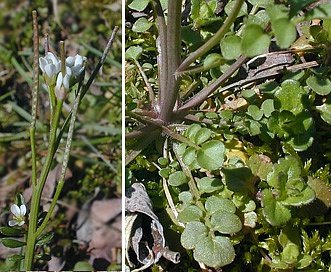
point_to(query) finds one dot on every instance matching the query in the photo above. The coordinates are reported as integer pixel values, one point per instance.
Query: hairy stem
(203, 94)
(214, 40)
(170, 93)
(161, 45)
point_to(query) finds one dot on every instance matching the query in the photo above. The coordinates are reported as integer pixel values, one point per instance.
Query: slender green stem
(64, 164)
(214, 40)
(37, 191)
(147, 84)
(191, 183)
(179, 137)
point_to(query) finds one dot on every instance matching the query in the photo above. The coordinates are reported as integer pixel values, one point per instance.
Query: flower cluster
(50, 65)
(19, 215)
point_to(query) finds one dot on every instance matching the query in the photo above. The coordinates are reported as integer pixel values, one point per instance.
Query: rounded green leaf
(193, 233)
(165, 172)
(274, 212)
(141, 25)
(212, 60)
(177, 178)
(185, 197)
(190, 158)
(229, 7)
(289, 166)
(291, 96)
(250, 95)
(202, 135)
(321, 86)
(214, 204)
(231, 47)
(250, 219)
(301, 142)
(192, 131)
(133, 52)
(12, 243)
(209, 185)
(254, 41)
(163, 161)
(322, 12)
(211, 155)
(304, 261)
(214, 251)
(190, 213)
(325, 111)
(260, 165)
(226, 222)
(83, 266)
(255, 112)
(259, 3)
(290, 253)
(285, 32)
(237, 179)
(138, 5)
(301, 198)
(268, 107)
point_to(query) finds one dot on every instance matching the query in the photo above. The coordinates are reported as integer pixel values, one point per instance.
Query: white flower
(76, 64)
(63, 80)
(62, 83)
(50, 64)
(19, 215)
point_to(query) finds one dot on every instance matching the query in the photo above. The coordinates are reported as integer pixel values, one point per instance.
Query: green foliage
(246, 167)
(85, 27)
(12, 243)
(213, 251)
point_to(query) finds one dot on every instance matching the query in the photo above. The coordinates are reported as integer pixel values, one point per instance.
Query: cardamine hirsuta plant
(227, 119)
(61, 75)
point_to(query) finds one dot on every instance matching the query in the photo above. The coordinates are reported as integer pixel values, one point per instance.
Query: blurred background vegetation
(95, 162)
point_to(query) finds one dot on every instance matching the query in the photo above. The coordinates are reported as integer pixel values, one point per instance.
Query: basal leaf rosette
(291, 121)
(287, 189)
